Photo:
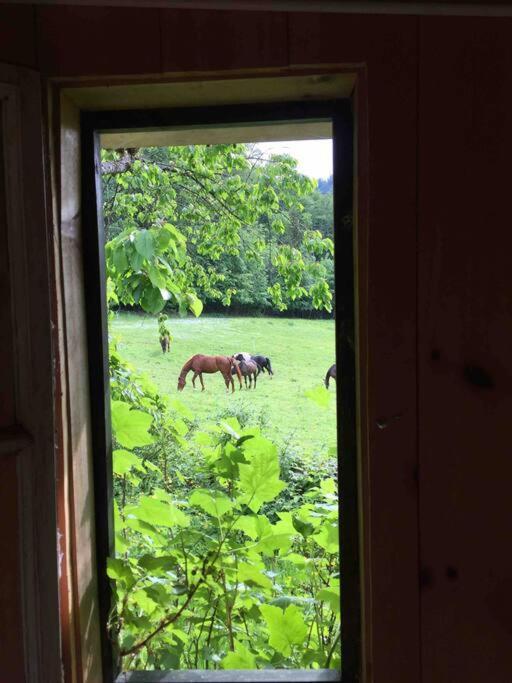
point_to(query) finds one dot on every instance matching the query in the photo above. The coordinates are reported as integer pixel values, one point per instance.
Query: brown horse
(249, 369)
(165, 343)
(331, 372)
(209, 364)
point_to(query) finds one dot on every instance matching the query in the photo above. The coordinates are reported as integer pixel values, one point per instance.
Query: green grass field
(301, 351)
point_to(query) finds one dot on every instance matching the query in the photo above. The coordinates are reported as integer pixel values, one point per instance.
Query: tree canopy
(209, 223)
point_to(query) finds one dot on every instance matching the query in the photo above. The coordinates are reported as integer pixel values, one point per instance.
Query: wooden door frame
(68, 101)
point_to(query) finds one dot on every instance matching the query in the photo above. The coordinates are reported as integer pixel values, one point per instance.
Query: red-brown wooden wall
(439, 295)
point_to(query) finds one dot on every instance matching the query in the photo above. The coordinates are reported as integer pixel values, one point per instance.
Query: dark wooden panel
(7, 395)
(96, 41)
(211, 40)
(17, 35)
(386, 120)
(11, 632)
(465, 304)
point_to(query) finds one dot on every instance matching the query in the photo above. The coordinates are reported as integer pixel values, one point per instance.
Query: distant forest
(325, 185)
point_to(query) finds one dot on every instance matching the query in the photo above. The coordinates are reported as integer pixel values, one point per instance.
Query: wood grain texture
(11, 628)
(18, 35)
(97, 41)
(385, 49)
(465, 298)
(76, 411)
(211, 40)
(7, 394)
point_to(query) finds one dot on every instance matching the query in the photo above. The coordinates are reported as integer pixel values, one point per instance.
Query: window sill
(240, 676)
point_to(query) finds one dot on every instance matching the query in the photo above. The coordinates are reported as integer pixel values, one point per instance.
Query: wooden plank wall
(465, 329)
(435, 291)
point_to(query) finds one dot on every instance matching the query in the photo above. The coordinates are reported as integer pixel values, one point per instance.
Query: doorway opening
(221, 517)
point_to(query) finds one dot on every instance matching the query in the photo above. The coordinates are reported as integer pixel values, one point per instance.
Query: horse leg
(201, 380)
(194, 379)
(255, 377)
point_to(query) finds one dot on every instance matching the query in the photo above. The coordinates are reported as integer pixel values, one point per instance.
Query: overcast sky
(314, 157)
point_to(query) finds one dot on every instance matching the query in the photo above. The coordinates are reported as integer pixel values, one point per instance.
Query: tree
(172, 214)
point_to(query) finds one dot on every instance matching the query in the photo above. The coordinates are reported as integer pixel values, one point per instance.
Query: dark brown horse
(165, 343)
(249, 369)
(331, 372)
(209, 364)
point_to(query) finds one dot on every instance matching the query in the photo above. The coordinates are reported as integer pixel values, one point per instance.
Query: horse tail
(327, 378)
(269, 367)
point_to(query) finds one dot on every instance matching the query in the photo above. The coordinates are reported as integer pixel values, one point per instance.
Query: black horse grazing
(249, 369)
(262, 362)
(331, 372)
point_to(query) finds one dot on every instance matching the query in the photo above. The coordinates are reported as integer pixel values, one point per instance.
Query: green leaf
(152, 300)
(144, 244)
(125, 460)
(120, 259)
(158, 512)
(136, 260)
(331, 596)
(157, 278)
(328, 538)
(215, 504)
(130, 426)
(195, 304)
(286, 628)
(157, 565)
(259, 479)
(250, 573)
(120, 570)
(241, 658)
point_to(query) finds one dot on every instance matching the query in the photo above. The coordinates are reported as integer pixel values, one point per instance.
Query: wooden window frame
(93, 124)
(67, 99)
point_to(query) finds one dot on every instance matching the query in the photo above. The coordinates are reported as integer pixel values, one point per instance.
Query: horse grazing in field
(249, 369)
(209, 364)
(165, 343)
(262, 362)
(331, 372)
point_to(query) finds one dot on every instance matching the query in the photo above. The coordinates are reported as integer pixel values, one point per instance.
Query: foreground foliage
(220, 561)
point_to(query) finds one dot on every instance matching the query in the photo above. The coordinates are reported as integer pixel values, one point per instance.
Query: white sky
(314, 157)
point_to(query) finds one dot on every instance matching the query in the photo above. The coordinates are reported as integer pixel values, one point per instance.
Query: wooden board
(465, 362)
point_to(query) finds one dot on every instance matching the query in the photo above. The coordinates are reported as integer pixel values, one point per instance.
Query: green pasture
(301, 351)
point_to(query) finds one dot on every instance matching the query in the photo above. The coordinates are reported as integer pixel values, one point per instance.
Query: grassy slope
(301, 351)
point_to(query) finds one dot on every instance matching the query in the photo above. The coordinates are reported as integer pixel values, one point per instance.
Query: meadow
(301, 351)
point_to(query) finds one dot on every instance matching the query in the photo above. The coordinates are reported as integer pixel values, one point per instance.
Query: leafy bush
(224, 557)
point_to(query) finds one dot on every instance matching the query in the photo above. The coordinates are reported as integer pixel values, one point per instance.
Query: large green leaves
(259, 478)
(130, 426)
(286, 627)
(214, 503)
(241, 658)
(144, 243)
(158, 512)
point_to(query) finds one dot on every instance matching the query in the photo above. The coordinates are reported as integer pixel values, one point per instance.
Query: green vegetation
(215, 224)
(226, 553)
(301, 352)
(226, 515)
